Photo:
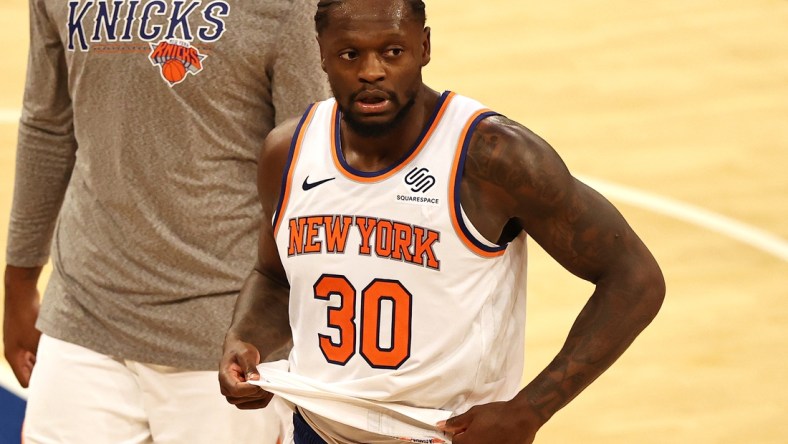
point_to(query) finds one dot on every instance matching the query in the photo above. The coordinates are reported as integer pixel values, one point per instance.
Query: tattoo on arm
(585, 355)
(512, 172)
(490, 159)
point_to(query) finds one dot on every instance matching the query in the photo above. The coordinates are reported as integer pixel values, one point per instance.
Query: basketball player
(137, 155)
(393, 251)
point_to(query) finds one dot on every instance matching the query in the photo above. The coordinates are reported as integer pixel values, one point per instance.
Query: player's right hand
(493, 423)
(239, 365)
(20, 336)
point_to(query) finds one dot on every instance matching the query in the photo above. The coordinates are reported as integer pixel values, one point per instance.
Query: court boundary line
(734, 229)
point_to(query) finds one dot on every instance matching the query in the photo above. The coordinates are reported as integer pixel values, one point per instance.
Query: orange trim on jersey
(454, 211)
(333, 137)
(296, 150)
(414, 152)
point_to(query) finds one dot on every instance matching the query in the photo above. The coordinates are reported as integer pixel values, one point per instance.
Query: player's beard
(377, 129)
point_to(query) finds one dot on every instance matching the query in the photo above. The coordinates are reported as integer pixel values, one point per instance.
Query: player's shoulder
(500, 130)
(505, 141)
(508, 154)
(272, 160)
(277, 142)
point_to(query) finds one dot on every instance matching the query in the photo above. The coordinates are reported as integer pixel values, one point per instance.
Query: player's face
(373, 52)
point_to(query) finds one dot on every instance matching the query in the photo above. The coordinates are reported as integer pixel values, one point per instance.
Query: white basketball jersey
(394, 296)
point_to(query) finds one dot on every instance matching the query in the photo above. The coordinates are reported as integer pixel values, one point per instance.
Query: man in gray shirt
(136, 163)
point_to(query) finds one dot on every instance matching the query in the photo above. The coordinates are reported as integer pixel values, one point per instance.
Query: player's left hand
(496, 422)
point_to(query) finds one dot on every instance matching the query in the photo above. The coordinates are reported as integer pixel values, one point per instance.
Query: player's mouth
(372, 102)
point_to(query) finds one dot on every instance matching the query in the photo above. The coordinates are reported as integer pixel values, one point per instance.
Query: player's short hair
(417, 8)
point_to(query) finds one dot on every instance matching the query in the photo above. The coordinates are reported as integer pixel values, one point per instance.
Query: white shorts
(79, 396)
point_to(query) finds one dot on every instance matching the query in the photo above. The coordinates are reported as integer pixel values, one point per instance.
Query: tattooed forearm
(583, 358)
(608, 324)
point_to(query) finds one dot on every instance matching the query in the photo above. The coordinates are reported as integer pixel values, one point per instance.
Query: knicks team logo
(122, 27)
(175, 58)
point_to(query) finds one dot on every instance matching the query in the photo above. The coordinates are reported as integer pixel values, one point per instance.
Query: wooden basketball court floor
(678, 112)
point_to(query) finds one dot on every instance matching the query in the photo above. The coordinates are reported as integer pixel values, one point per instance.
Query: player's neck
(368, 152)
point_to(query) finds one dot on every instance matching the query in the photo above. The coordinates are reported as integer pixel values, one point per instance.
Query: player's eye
(348, 55)
(394, 52)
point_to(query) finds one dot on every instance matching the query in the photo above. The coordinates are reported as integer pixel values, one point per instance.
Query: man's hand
(239, 365)
(496, 422)
(20, 337)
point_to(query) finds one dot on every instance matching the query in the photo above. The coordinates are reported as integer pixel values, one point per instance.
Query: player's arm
(514, 181)
(46, 151)
(260, 322)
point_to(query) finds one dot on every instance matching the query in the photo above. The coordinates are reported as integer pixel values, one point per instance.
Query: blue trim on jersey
(457, 181)
(289, 163)
(350, 169)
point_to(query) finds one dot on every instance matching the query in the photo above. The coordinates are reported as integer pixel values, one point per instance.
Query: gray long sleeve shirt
(136, 162)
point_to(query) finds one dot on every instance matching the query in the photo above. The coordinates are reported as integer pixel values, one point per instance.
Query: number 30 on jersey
(343, 318)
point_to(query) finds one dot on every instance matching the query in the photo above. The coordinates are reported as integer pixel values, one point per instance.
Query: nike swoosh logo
(308, 186)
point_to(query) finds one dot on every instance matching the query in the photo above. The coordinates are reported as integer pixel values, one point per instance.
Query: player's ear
(426, 47)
